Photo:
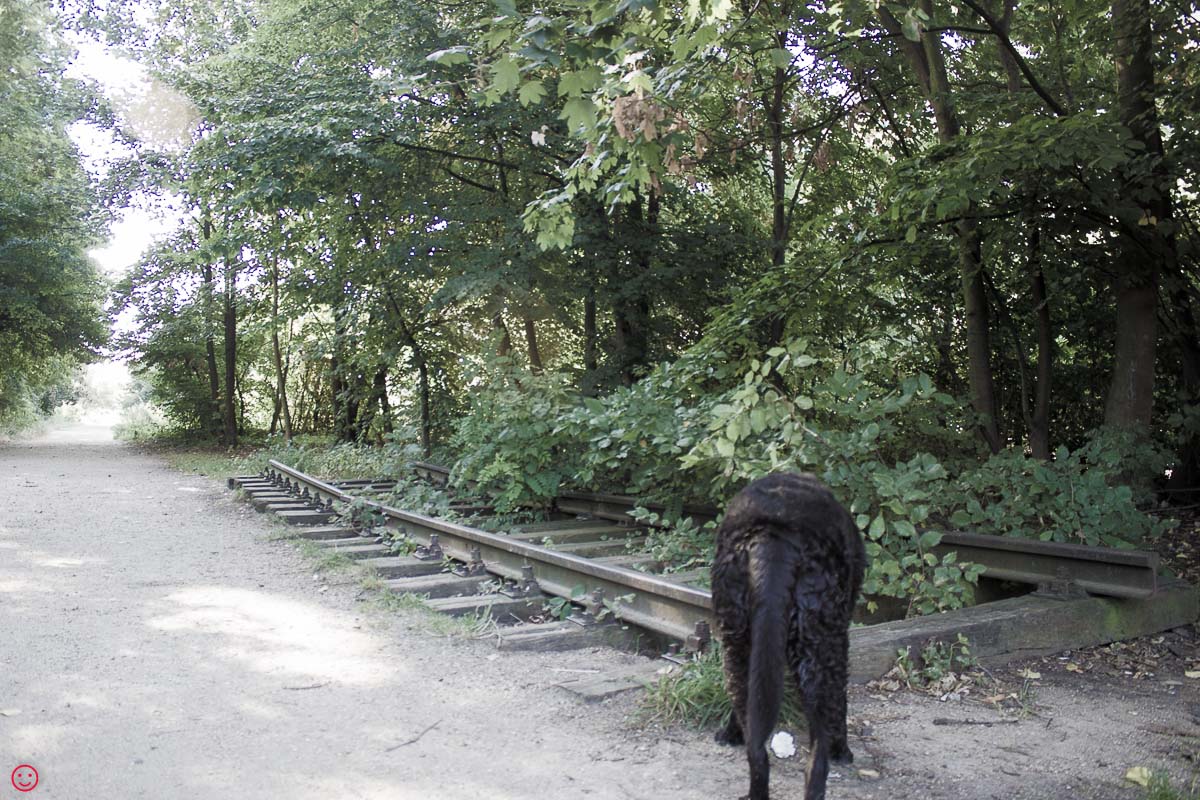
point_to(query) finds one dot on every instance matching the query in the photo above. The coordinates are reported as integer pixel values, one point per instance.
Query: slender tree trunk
(928, 63)
(426, 415)
(213, 423)
(1039, 427)
(589, 330)
(775, 108)
(381, 392)
(631, 307)
(1145, 251)
(535, 358)
(277, 350)
(230, 319)
(504, 348)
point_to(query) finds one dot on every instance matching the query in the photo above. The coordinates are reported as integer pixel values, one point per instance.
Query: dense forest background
(943, 254)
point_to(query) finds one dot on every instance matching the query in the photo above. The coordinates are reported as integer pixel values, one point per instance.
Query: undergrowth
(1161, 787)
(694, 695)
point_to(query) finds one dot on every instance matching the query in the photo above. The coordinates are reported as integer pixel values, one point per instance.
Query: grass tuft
(695, 696)
(1162, 788)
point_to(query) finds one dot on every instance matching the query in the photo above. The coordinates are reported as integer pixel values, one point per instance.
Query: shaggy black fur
(787, 572)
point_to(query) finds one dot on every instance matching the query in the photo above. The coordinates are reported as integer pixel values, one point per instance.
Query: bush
(1078, 497)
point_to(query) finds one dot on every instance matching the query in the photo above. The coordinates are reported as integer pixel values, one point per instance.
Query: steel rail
(642, 599)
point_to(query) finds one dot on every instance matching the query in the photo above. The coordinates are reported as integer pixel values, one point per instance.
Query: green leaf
(451, 55)
(878, 526)
(531, 92)
(930, 539)
(573, 84)
(580, 114)
(505, 75)
(780, 58)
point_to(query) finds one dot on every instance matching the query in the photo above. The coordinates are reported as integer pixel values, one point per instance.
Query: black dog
(787, 572)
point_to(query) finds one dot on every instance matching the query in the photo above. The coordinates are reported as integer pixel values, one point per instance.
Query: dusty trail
(155, 642)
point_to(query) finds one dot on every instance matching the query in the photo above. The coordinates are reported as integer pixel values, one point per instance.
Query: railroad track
(586, 555)
(589, 563)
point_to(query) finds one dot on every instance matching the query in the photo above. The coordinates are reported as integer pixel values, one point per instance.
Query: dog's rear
(787, 572)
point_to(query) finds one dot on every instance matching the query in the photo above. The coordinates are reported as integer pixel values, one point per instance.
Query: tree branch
(997, 29)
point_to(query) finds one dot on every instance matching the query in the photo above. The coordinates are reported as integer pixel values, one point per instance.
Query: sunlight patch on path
(272, 634)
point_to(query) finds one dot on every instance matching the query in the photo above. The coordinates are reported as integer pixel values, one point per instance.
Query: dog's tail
(771, 575)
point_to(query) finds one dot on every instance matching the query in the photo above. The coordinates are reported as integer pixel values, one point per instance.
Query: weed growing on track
(695, 696)
(1162, 788)
(471, 626)
(326, 560)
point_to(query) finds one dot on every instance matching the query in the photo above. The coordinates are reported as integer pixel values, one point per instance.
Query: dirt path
(156, 642)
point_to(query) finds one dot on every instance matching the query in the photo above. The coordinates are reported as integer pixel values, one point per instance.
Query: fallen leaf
(1072, 667)
(996, 698)
(868, 773)
(1192, 673)
(1138, 775)
(1029, 674)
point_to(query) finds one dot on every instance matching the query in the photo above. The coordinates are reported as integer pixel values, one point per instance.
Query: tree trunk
(631, 307)
(213, 423)
(1145, 250)
(277, 350)
(504, 348)
(230, 319)
(779, 235)
(426, 415)
(928, 63)
(381, 392)
(535, 358)
(589, 330)
(1039, 427)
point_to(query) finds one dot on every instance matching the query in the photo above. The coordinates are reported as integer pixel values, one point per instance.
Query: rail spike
(430, 552)
(473, 568)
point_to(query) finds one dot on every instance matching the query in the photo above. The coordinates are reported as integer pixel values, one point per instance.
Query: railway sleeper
(591, 533)
(499, 607)
(324, 533)
(307, 517)
(606, 547)
(570, 523)
(439, 585)
(261, 501)
(362, 550)
(401, 566)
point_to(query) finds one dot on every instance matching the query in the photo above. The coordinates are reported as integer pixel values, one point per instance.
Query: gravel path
(158, 644)
(158, 641)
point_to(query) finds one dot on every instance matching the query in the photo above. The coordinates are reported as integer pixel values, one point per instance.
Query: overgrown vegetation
(50, 214)
(695, 695)
(1161, 787)
(942, 256)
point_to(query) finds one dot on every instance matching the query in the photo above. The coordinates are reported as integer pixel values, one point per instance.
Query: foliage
(319, 457)
(695, 695)
(797, 410)
(938, 660)
(662, 248)
(50, 214)
(677, 541)
(511, 448)
(1161, 787)
(1078, 497)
